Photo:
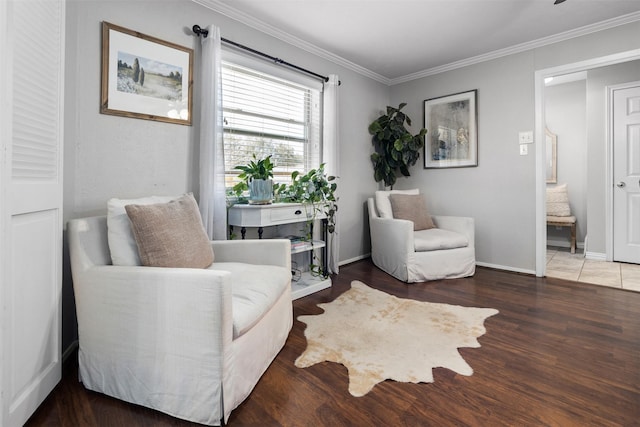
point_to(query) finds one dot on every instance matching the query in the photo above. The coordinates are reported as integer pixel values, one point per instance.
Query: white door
(31, 122)
(626, 173)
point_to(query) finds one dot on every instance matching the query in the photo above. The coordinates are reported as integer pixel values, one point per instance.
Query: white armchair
(418, 256)
(192, 343)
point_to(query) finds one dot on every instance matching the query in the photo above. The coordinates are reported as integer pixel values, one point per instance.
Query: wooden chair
(565, 221)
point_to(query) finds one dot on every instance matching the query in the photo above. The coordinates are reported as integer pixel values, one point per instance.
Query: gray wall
(500, 192)
(566, 114)
(109, 156)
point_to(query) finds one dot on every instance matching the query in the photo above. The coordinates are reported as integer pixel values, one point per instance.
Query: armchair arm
(149, 334)
(459, 224)
(392, 245)
(391, 235)
(151, 311)
(261, 251)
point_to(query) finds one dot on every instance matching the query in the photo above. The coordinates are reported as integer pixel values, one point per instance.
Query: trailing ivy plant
(316, 190)
(395, 148)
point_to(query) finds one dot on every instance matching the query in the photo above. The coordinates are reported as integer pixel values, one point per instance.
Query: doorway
(624, 103)
(540, 152)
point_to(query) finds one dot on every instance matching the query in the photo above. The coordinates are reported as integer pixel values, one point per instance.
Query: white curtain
(212, 187)
(330, 157)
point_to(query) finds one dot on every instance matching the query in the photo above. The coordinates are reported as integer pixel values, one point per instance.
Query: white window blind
(266, 115)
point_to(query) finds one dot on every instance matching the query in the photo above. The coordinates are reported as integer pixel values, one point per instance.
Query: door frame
(609, 182)
(539, 138)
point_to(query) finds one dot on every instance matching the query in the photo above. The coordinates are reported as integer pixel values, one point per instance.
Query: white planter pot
(260, 191)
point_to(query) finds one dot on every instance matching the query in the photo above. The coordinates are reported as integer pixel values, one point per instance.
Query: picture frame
(144, 77)
(452, 131)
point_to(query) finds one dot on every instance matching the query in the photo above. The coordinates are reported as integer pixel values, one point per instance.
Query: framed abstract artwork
(452, 125)
(144, 77)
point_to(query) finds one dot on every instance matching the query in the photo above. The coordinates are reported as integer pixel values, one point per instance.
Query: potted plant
(395, 148)
(257, 177)
(316, 191)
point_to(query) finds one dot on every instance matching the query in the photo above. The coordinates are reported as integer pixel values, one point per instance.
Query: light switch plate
(524, 149)
(525, 137)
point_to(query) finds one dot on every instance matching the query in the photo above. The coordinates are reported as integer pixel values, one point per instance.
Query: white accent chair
(445, 252)
(192, 343)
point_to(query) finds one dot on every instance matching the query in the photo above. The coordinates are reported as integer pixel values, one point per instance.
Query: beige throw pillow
(171, 234)
(383, 203)
(413, 208)
(122, 244)
(558, 201)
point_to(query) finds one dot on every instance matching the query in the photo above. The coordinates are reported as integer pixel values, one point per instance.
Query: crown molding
(261, 26)
(582, 31)
(251, 21)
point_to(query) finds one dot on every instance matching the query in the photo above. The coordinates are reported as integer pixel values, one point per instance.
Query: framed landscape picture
(144, 77)
(452, 125)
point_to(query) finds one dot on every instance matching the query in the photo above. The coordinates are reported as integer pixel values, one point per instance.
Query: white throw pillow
(122, 244)
(383, 204)
(558, 201)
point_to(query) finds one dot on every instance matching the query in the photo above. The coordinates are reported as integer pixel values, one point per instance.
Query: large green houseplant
(395, 148)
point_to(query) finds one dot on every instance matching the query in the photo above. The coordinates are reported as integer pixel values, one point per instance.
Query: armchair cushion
(383, 204)
(437, 238)
(122, 244)
(256, 289)
(412, 207)
(171, 234)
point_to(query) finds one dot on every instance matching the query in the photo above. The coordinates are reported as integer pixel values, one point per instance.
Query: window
(266, 115)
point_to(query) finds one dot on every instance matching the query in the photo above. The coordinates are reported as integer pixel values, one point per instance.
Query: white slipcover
(182, 341)
(393, 248)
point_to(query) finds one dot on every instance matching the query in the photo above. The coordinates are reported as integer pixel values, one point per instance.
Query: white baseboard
(354, 259)
(563, 243)
(480, 264)
(595, 256)
(507, 268)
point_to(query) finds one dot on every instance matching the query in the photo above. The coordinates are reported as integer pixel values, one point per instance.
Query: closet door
(31, 89)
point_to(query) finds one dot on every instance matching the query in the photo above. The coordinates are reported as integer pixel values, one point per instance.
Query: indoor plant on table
(396, 149)
(257, 177)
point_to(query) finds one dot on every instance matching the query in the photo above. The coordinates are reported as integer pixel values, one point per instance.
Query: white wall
(566, 114)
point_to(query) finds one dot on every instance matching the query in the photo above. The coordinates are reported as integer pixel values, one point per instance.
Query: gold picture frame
(144, 77)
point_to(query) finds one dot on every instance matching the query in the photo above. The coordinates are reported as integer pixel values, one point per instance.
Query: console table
(260, 216)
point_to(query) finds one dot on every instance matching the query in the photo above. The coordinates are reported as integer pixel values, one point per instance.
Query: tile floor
(564, 265)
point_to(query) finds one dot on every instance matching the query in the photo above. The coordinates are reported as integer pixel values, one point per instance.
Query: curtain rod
(198, 31)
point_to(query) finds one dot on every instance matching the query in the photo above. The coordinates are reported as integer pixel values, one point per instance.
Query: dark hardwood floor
(558, 354)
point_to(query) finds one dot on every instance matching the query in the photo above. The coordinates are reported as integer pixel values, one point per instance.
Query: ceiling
(397, 40)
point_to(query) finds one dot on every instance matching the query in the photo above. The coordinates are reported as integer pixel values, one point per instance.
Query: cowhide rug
(378, 336)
